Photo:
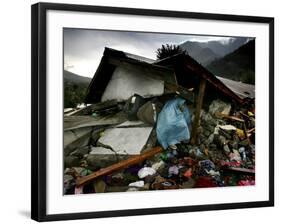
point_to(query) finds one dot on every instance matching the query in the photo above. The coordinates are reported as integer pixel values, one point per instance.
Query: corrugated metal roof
(242, 89)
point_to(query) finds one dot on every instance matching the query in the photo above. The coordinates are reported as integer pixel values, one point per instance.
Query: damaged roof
(241, 89)
(181, 69)
(189, 72)
(111, 60)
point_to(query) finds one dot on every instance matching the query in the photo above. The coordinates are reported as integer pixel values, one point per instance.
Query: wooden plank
(220, 115)
(240, 170)
(184, 92)
(233, 118)
(118, 166)
(198, 111)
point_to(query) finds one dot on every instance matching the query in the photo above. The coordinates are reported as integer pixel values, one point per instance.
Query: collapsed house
(126, 96)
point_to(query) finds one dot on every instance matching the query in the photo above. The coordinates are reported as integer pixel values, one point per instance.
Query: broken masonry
(159, 125)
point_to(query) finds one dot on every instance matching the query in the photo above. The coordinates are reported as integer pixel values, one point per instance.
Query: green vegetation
(74, 94)
(75, 88)
(168, 50)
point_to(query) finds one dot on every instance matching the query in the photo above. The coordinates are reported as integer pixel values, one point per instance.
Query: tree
(74, 94)
(168, 50)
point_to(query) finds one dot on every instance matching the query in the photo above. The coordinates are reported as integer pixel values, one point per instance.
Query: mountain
(75, 87)
(199, 52)
(206, 56)
(206, 52)
(238, 65)
(73, 78)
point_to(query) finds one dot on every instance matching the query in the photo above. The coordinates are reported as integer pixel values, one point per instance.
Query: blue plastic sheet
(172, 123)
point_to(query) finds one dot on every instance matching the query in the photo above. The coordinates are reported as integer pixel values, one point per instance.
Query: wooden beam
(118, 166)
(199, 102)
(184, 92)
(233, 118)
(240, 170)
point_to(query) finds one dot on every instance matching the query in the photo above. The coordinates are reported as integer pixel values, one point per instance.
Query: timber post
(196, 120)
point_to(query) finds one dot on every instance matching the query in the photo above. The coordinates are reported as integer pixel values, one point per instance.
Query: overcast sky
(83, 48)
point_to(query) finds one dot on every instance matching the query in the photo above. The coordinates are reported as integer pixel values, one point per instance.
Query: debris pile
(149, 148)
(158, 125)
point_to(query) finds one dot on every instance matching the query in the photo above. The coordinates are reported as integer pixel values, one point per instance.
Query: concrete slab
(126, 141)
(101, 151)
(74, 122)
(130, 124)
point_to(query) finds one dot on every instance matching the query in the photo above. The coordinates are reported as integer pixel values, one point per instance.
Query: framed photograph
(140, 111)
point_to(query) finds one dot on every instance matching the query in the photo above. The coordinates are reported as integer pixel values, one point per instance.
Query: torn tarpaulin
(173, 123)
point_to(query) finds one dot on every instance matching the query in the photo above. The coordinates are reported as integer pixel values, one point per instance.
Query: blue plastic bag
(172, 123)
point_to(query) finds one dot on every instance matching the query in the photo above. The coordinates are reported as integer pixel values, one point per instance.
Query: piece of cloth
(173, 122)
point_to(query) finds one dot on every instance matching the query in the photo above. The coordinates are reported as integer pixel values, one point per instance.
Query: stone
(80, 152)
(219, 106)
(100, 157)
(96, 134)
(71, 161)
(97, 161)
(68, 183)
(67, 170)
(210, 139)
(101, 151)
(221, 140)
(159, 165)
(67, 178)
(233, 144)
(76, 138)
(208, 119)
(202, 147)
(226, 149)
(212, 147)
(99, 186)
(207, 133)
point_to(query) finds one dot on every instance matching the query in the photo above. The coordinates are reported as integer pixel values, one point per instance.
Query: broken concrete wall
(129, 80)
(76, 138)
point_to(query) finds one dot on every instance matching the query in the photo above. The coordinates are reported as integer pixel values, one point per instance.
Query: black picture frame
(39, 122)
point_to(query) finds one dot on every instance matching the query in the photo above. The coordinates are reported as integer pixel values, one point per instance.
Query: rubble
(99, 186)
(123, 140)
(218, 106)
(151, 133)
(222, 157)
(146, 171)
